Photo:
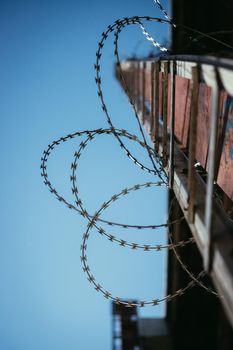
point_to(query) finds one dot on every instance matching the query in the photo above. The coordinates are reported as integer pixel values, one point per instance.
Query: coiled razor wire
(157, 170)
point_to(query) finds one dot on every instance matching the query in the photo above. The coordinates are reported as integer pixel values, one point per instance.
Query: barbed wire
(93, 220)
(74, 189)
(73, 178)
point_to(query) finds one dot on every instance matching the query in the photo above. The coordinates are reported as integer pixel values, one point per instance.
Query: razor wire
(107, 294)
(73, 177)
(157, 170)
(152, 40)
(158, 3)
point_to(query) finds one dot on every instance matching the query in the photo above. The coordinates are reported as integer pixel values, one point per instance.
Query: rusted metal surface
(169, 107)
(143, 92)
(171, 122)
(161, 77)
(147, 88)
(135, 86)
(148, 84)
(225, 173)
(132, 87)
(156, 99)
(222, 119)
(147, 95)
(203, 124)
(171, 116)
(182, 110)
(138, 86)
(152, 98)
(165, 103)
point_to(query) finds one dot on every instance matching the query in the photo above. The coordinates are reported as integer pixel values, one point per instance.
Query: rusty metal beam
(165, 95)
(138, 86)
(156, 105)
(208, 254)
(143, 91)
(172, 124)
(152, 112)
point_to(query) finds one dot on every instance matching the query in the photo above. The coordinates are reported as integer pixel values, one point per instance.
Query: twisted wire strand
(152, 40)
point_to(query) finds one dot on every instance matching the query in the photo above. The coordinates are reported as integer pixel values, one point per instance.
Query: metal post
(192, 143)
(208, 255)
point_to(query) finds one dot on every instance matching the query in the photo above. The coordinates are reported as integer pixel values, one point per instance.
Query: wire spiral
(95, 220)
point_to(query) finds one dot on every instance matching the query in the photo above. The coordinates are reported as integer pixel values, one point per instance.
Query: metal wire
(152, 40)
(73, 178)
(158, 3)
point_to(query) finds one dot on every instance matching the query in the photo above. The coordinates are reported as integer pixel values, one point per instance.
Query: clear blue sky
(47, 91)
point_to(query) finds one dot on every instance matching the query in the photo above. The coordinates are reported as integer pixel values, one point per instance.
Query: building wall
(204, 16)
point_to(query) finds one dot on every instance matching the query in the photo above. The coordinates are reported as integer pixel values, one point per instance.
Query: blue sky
(47, 91)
